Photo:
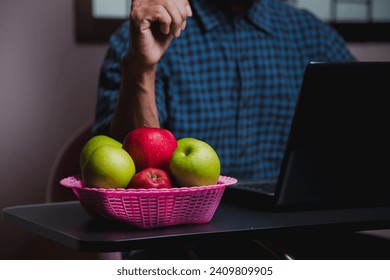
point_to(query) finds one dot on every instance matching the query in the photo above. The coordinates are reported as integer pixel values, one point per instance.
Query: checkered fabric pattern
(231, 80)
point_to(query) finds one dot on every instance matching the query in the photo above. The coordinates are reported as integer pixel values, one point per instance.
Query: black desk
(69, 224)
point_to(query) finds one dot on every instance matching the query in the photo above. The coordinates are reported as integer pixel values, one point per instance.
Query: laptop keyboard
(266, 187)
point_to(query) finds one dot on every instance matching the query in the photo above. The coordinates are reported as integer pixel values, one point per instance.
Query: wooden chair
(66, 164)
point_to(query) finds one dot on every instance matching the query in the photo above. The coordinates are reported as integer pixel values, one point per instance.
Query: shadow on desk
(351, 246)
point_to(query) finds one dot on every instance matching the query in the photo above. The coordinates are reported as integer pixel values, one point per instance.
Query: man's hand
(153, 25)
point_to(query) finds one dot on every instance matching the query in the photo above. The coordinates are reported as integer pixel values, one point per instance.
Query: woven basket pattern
(149, 208)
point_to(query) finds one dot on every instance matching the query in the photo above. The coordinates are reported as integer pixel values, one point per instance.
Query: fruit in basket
(150, 178)
(150, 147)
(108, 166)
(195, 163)
(93, 143)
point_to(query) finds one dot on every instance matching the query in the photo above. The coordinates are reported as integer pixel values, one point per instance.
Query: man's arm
(153, 25)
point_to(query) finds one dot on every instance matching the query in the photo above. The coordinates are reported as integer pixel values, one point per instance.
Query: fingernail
(183, 26)
(164, 30)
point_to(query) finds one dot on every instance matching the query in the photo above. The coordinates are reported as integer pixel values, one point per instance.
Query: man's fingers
(165, 20)
(189, 10)
(142, 19)
(171, 14)
(178, 14)
(187, 6)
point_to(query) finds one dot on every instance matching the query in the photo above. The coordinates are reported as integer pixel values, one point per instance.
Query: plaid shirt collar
(211, 14)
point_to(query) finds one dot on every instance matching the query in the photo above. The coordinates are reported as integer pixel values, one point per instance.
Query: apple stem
(153, 176)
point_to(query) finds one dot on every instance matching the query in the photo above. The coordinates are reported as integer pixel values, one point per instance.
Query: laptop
(338, 151)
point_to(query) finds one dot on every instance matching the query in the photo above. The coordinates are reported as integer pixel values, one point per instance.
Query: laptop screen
(338, 149)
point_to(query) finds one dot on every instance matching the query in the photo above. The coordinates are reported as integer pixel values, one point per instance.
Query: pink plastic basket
(149, 208)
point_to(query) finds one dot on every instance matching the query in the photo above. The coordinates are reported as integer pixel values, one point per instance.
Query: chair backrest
(66, 164)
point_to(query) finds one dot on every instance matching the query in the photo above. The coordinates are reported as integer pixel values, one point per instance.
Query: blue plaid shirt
(231, 80)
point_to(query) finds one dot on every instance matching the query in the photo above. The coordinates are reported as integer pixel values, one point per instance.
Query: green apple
(94, 143)
(195, 163)
(108, 167)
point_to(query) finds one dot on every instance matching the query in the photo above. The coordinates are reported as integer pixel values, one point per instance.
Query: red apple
(150, 147)
(150, 178)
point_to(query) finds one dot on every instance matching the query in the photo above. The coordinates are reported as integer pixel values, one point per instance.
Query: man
(225, 71)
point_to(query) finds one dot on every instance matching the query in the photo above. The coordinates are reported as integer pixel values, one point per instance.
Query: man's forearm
(136, 105)
(137, 101)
